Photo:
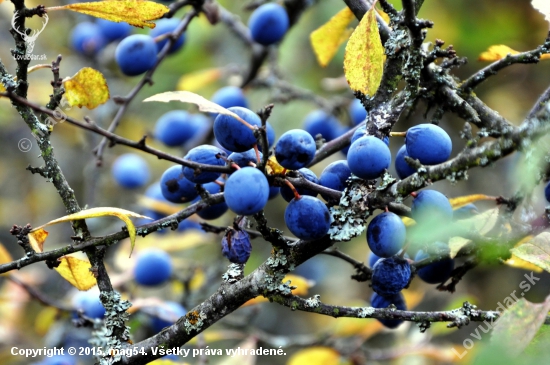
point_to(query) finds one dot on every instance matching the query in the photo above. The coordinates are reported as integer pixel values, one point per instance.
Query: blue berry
(87, 39)
(246, 191)
(361, 132)
(288, 194)
(428, 143)
(431, 206)
(357, 112)
(230, 96)
(236, 246)
(319, 122)
(167, 26)
(273, 192)
(175, 187)
(373, 259)
(386, 234)
(176, 127)
(268, 24)
(368, 157)
(214, 211)
(167, 315)
(234, 135)
(403, 169)
(243, 159)
(307, 218)
(204, 154)
(378, 301)
(436, 272)
(136, 54)
(295, 149)
(467, 211)
(335, 175)
(153, 267)
(130, 171)
(113, 31)
(390, 275)
(89, 304)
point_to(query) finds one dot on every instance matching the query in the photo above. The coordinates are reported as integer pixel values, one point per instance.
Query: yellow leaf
(134, 12)
(102, 212)
(166, 362)
(317, 355)
(302, 285)
(273, 167)
(326, 39)
(37, 237)
(518, 263)
(44, 320)
(5, 256)
(197, 80)
(2, 88)
(535, 250)
(497, 52)
(77, 272)
(408, 221)
(86, 88)
(364, 57)
(384, 16)
(543, 6)
(461, 201)
(204, 105)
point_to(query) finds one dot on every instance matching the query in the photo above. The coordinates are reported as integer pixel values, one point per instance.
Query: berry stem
(297, 196)
(398, 134)
(258, 158)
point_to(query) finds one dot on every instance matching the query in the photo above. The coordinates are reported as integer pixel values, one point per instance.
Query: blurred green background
(471, 26)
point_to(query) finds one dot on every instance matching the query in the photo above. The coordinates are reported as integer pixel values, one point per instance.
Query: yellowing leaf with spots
(518, 263)
(77, 272)
(134, 12)
(535, 251)
(197, 80)
(204, 105)
(37, 237)
(86, 88)
(316, 355)
(123, 214)
(302, 286)
(326, 39)
(461, 201)
(364, 57)
(500, 51)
